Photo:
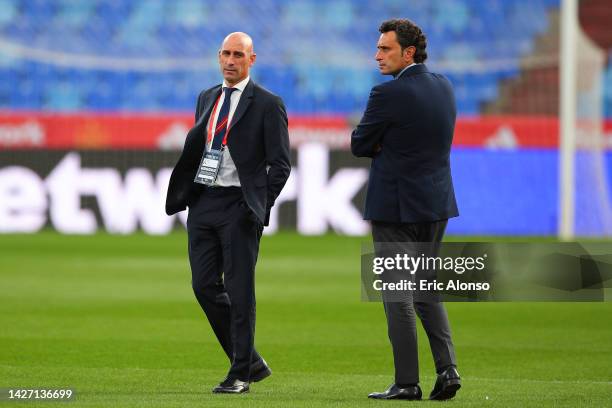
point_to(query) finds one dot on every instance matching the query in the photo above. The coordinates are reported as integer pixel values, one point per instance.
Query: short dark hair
(408, 34)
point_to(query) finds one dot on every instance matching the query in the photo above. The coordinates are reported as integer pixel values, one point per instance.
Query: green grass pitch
(114, 317)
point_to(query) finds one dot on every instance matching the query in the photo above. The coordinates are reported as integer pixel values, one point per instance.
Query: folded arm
(367, 138)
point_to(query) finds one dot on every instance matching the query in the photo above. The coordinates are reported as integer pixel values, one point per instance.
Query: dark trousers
(401, 321)
(223, 246)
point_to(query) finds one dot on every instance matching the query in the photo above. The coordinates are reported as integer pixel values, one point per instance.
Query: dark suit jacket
(412, 118)
(258, 138)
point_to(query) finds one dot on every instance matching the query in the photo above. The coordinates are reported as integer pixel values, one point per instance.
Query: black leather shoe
(260, 371)
(395, 392)
(446, 385)
(231, 386)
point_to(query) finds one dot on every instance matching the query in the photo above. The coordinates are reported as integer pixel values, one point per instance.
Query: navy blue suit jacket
(259, 142)
(412, 120)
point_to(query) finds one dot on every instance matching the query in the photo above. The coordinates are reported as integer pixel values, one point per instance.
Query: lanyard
(210, 134)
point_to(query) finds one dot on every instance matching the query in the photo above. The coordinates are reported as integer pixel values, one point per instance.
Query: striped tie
(221, 128)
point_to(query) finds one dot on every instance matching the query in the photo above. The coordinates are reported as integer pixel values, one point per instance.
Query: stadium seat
(307, 67)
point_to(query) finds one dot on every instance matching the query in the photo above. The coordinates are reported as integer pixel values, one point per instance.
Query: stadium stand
(148, 55)
(595, 17)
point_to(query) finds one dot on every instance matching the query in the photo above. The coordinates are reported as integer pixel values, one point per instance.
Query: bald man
(234, 165)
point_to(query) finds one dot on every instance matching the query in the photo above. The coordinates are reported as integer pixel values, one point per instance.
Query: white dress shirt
(228, 175)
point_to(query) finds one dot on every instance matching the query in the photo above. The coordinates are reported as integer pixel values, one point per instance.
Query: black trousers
(224, 240)
(401, 321)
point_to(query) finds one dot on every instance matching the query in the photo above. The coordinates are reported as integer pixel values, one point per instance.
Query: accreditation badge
(209, 167)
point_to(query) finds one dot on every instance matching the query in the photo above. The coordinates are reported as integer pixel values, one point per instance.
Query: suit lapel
(243, 105)
(200, 132)
(208, 105)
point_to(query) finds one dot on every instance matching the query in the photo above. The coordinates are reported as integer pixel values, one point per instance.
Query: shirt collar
(402, 71)
(240, 85)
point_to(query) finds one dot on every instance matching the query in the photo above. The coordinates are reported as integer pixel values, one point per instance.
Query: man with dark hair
(407, 130)
(229, 198)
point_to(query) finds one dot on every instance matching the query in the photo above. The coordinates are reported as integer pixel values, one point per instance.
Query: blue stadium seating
(318, 55)
(608, 91)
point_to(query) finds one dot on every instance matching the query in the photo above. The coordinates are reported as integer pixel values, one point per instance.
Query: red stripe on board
(21, 130)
